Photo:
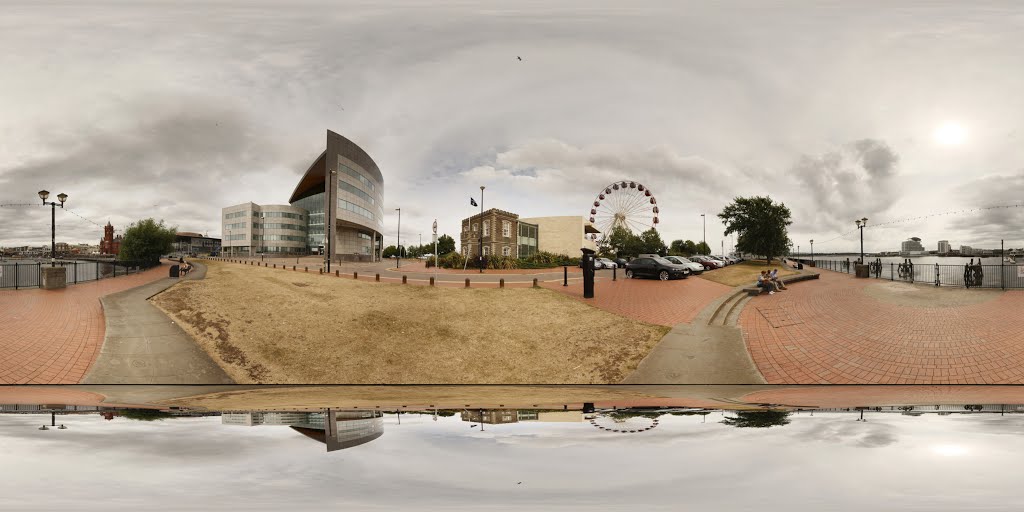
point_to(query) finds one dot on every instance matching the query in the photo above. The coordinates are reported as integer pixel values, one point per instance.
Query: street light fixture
(398, 257)
(861, 224)
(704, 220)
(43, 194)
(812, 251)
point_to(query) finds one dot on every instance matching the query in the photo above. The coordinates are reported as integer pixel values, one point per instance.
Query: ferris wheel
(623, 425)
(625, 204)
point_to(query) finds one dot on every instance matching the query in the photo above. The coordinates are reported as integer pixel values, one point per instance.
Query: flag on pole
(472, 201)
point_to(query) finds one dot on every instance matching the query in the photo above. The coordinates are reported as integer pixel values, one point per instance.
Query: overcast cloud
(824, 462)
(176, 109)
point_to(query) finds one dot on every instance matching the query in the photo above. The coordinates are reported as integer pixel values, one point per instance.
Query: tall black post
(481, 234)
(862, 244)
(398, 258)
(53, 234)
(1002, 263)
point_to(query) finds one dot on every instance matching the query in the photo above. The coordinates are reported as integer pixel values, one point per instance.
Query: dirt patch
(277, 326)
(920, 296)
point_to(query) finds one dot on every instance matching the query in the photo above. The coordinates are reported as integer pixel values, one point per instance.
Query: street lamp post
(812, 250)
(481, 234)
(704, 220)
(43, 194)
(398, 257)
(861, 224)
(328, 208)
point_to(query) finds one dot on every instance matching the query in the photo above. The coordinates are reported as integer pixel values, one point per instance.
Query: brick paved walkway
(842, 330)
(649, 300)
(53, 336)
(870, 396)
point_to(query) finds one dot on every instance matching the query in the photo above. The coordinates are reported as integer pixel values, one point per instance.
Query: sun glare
(950, 134)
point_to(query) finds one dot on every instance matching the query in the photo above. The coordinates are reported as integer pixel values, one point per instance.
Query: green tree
(702, 248)
(144, 414)
(623, 243)
(146, 240)
(390, 251)
(690, 247)
(649, 242)
(760, 225)
(758, 419)
(677, 248)
(445, 245)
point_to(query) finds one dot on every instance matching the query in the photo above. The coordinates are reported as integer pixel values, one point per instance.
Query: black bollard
(565, 276)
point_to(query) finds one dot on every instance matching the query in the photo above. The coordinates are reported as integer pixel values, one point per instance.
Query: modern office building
(345, 429)
(195, 243)
(504, 233)
(278, 418)
(944, 247)
(911, 246)
(250, 229)
(343, 189)
(966, 250)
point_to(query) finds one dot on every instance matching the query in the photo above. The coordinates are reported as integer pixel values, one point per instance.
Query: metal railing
(21, 274)
(1007, 276)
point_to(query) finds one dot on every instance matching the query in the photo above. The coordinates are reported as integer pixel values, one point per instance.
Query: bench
(754, 290)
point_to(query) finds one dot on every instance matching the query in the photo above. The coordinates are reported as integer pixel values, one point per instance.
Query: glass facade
(527, 239)
(235, 215)
(355, 208)
(314, 204)
(348, 187)
(357, 175)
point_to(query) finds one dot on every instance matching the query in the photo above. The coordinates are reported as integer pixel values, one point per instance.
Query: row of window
(348, 187)
(235, 215)
(280, 238)
(363, 236)
(505, 251)
(357, 175)
(268, 225)
(354, 208)
(506, 228)
(239, 236)
(237, 225)
(285, 215)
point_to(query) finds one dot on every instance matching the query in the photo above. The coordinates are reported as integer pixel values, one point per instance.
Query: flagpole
(482, 229)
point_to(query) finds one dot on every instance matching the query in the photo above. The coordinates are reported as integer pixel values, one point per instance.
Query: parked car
(621, 262)
(712, 261)
(708, 264)
(605, 263)
(656, 267)
(724, 261)
(695, 268)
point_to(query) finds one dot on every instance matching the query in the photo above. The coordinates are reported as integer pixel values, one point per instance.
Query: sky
(823, 462)
(840, 110)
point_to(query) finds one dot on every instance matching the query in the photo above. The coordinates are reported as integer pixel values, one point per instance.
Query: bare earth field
(744, 272)
(278, 326)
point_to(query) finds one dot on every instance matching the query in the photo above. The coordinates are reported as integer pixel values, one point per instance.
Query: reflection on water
(606, 458)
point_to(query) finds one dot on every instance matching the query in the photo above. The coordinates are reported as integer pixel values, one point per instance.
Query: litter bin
(175, 270)
(587, 263)
(862, 271)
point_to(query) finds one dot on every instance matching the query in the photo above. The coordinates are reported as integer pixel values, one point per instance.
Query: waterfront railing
(1005, 276)
(23, 274)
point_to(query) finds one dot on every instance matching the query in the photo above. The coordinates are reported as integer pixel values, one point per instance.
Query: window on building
(506, 228)
(506, 251)
(474, 227)
(487, 231)
(487, 250)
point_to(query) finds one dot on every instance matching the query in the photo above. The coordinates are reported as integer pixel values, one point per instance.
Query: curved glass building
(343, 193)
(337, 208)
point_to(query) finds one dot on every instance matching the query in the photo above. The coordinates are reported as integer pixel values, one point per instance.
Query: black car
(655, 267)
(621, 262)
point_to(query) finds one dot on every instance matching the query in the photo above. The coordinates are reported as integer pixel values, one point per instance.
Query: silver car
(605, 263)
(695, 268)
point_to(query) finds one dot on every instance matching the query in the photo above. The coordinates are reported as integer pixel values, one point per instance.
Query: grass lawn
(744, 272)
(277, 326)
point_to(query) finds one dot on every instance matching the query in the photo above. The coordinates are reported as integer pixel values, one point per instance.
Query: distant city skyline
(692, 103)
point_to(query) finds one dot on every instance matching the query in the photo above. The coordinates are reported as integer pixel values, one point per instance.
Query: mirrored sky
(842, 110)
(825, 462)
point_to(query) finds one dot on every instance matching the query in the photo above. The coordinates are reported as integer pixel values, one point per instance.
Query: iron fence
(1006, 276)
(21, 274)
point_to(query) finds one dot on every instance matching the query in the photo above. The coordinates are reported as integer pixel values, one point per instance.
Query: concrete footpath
(143, 346)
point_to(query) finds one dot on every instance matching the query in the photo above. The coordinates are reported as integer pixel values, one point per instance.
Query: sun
(950, 134)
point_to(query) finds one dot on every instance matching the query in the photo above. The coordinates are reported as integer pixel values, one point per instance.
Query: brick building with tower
(110, 244)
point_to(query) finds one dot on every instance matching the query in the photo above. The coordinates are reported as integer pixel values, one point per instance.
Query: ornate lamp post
(43, 194)
(861, 224)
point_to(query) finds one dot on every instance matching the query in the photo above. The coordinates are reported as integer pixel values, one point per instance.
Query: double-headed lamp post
(43, 194)
(861, 224)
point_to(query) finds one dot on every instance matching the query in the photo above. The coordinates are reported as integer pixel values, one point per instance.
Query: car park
(708, 264)
(605, 263)
(695, 268)
(716, 263)
(656, 267)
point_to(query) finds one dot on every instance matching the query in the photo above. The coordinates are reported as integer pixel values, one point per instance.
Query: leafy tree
(622, 242)
(701, 248)
(390, 251)
(690, 247)
(445, 244)
(146, 240)
(758, 419)
(650, 243)
(760, 225)
(677, 248)
(144, 414)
